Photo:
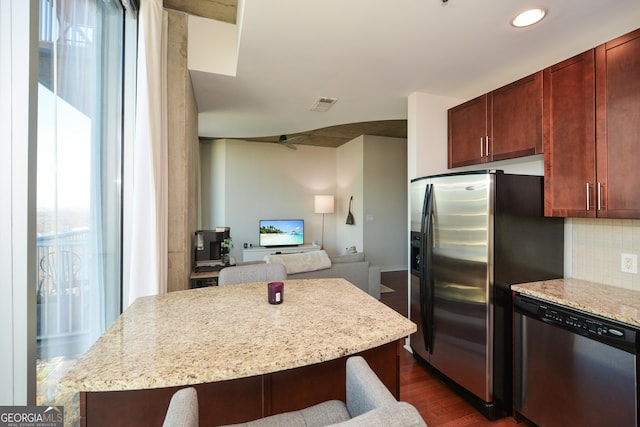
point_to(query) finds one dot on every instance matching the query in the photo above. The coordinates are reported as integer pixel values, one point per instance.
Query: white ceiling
(372, 54)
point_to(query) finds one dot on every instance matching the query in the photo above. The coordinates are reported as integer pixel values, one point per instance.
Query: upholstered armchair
(368, 404)
(183, 409)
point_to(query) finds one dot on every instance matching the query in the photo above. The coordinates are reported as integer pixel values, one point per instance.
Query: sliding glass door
(80, 110)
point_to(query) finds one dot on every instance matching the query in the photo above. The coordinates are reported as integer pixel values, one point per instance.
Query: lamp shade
(323, 204)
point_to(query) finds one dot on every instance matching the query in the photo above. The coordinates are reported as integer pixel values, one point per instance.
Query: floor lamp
(323, 204)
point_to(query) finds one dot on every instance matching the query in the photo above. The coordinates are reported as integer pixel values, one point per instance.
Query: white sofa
(352, 267)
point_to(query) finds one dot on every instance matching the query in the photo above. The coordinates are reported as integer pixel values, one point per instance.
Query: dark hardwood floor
(437, 403)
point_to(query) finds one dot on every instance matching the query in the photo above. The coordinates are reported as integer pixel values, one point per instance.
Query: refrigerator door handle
(426, 278)
(423, 266)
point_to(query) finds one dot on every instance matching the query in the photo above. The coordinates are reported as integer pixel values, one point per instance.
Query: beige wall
(183, 156)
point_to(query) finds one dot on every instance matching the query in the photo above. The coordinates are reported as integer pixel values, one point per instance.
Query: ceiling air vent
(323, 104)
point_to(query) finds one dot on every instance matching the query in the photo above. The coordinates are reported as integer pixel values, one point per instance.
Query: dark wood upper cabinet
(618, 126)
(503, 124)
(583, 114)
(592, 132)
(468, 132)
(516, 119)
(569, 142)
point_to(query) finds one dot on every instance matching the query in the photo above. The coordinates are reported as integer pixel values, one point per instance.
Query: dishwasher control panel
(589, 325)
(579, 322)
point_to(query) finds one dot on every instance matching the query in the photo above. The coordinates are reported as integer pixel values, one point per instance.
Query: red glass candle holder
(276, 292)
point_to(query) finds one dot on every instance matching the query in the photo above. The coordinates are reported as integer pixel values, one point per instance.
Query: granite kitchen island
(246, 358)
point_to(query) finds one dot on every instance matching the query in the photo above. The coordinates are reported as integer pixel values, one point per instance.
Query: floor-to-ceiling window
(79, 168)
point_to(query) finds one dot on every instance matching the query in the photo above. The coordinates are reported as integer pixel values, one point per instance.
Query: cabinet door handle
(487, 142)
(587, 196)
(599, 203)
(481, 147)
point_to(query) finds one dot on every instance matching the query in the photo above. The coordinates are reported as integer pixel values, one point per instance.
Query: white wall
(213, 46)
(427, 134)
(530, 165)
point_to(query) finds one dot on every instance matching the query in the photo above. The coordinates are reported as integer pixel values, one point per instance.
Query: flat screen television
(281, 232)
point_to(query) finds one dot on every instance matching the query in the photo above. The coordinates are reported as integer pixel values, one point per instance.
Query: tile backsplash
(596, 246)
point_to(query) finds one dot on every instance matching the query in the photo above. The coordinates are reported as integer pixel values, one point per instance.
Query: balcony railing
(71, 24)
(64, 292)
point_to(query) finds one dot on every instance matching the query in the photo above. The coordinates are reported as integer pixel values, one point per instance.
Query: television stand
(258, 254)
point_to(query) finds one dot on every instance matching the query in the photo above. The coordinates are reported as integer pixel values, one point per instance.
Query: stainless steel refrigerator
(474, 234)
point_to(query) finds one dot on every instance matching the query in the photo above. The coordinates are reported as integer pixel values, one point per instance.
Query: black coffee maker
(208, 248)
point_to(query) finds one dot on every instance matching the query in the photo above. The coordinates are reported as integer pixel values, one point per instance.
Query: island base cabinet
(294, 389)
(243, 399)
(223, 402)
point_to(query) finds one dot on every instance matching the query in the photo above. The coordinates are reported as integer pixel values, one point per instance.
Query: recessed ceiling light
(528, 17)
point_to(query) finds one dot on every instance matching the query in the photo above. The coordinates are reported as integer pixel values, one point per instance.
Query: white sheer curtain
(79, 131)
(147, 255)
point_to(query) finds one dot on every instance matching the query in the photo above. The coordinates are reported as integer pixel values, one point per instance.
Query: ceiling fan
(289, 142)
(282, 140)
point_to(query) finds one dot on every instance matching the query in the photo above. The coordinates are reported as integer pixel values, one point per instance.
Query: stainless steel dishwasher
(573, 368)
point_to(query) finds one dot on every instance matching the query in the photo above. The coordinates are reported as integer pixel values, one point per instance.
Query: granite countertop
(229, 332)
(607, 301)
